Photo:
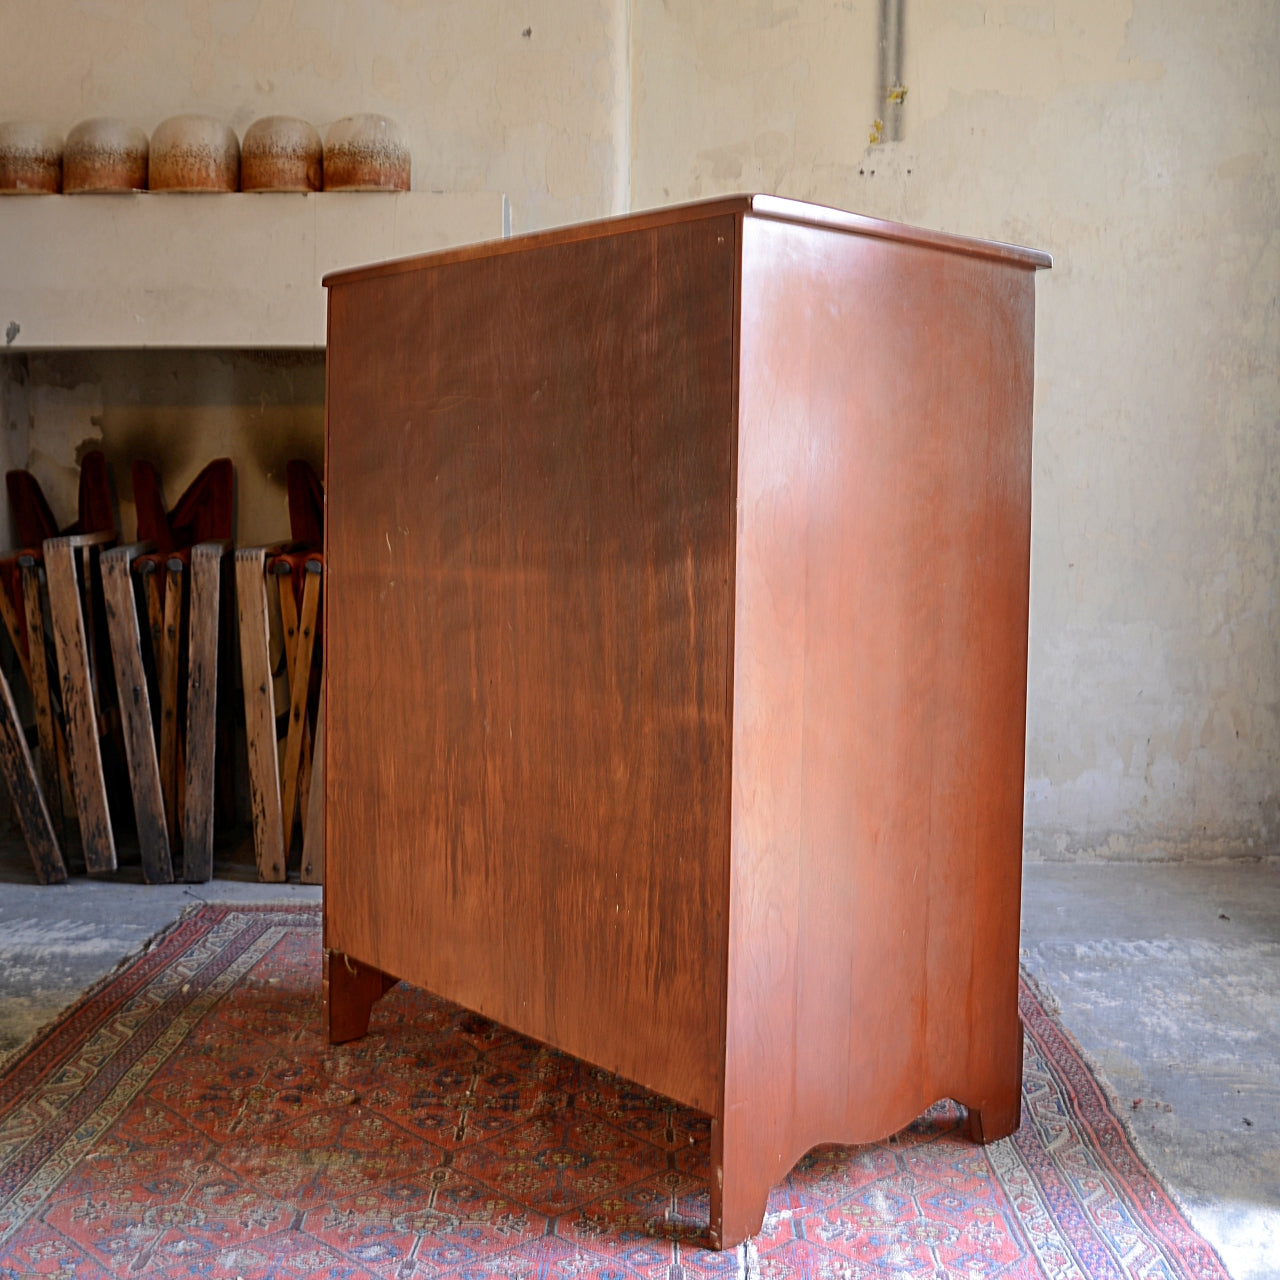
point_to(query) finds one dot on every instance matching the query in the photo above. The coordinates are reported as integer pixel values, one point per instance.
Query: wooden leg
(167, 664)
(88, 783)
(350, 990)
(65, 802)
(41, 696)
(313, 833)
(739, 1191)
(999, 1114)
(299, 687)
(135, 712)
(19, 772)
(202, 698)
(259, 713)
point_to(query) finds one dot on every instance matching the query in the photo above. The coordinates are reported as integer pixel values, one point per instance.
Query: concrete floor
(1167, 974)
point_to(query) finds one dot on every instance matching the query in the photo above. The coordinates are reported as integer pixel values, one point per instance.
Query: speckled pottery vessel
(104, 154)
(281, 153)
(194, 153)
(366, 153)
(30, 158)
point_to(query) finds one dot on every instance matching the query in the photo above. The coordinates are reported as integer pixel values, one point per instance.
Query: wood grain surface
(313, 831)
(676, 634)
(168, 676)
(202, 707)
(880, 682)
(529, 563)
(135, 711)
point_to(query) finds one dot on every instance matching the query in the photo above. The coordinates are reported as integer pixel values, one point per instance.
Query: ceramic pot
(366, 153)
(281, 153)
(30, 158)
(194, 153)
(104, 154)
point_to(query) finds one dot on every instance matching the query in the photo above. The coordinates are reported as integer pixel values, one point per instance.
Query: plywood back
(529, 632)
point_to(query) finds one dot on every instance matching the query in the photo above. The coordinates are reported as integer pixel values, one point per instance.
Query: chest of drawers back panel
(530, 523)
(676, 642)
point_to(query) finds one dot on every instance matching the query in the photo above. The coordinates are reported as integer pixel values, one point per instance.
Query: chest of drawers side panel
(880, 690)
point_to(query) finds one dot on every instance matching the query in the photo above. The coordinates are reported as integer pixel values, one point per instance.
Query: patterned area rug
(188, 1118)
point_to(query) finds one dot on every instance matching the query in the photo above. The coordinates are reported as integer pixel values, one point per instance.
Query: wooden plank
(682, 726)
(304, 780)
(313, 832)
(168, 666)
(287, 603)
(135, 711)
(41, 695)
(89, 566)
(88, 784)
(19, 772)
(259, 712)
(9, 615)
(202, 706)
(243, 271)
(152, 577)
(61, 802)
(884, 453)
(299, 687)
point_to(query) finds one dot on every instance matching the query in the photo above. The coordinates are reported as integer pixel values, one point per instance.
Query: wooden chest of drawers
(676, 638)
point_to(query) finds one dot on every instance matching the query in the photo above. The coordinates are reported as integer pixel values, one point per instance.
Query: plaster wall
(178, 410)
(1134, 141)
(516, 96)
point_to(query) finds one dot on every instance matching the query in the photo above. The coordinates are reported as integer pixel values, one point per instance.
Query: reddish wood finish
(676, 624)
(350, 991)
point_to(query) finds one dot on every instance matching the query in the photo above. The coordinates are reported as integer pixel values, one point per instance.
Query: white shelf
(166, 270)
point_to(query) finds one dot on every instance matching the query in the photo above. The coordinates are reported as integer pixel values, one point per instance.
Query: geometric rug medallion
(188, 1118)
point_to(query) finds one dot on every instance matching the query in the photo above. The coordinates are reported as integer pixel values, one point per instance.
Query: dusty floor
(1168, 974)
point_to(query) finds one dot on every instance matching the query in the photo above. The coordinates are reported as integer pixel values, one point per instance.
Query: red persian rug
(188, 1118)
